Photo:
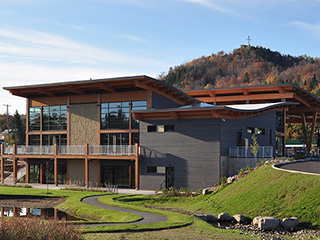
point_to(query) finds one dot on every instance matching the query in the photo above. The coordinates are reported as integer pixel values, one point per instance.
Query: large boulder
(224, 217)
(201, 216)
(266, 223)
(206, 191)
(241, 219)
(289, 223)
(211, 218)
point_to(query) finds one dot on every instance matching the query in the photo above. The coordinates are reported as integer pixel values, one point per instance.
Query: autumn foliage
(246, 66)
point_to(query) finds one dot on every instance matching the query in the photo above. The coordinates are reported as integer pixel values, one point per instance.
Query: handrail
(245, 152)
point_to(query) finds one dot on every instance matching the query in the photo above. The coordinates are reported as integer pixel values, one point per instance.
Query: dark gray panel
(159, 101)
(230, 127)
(193, 149)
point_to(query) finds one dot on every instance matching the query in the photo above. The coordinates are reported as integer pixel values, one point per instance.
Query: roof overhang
(108, 85)
(212, 111)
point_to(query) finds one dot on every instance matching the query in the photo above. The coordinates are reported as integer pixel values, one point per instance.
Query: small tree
(254, 147)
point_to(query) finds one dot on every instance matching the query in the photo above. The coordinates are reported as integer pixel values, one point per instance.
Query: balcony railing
(245, 152)
(115, 150)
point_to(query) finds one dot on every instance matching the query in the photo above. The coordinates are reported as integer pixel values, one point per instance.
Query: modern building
(139, 132)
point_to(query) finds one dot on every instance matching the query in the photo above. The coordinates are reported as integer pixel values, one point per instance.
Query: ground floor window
(34, 173)
(120, 175)
(45, 170)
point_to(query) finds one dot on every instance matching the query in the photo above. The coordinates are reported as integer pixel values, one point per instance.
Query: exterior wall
(93, 172)
(83, 124)
(230, 127)
(77, 172)
(159, 101)
(193, 149)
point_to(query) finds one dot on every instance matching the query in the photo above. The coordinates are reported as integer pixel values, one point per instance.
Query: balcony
(73, 150)
(245, 152)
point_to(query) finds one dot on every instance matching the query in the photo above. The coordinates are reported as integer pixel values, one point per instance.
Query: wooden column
(68, 171)
(86, 166)
(284, 131)
(55, 164)
(137, 165)
(2, 163)
(15, 169)
(99, 172)
(41, 173)
(313, 126)
(2, 211)
(130, 176)
(27, 171)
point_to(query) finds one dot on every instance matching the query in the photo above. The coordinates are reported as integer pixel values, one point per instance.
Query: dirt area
(30, 201)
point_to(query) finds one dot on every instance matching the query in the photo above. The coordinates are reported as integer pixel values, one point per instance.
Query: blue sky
(54, 41)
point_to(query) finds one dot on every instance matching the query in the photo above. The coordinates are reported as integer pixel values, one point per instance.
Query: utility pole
(7, 105)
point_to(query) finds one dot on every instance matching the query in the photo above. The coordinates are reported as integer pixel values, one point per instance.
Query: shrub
(37, 229)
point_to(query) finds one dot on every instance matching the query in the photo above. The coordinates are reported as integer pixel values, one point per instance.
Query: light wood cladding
(83, 124)
(48, 101)
(124, 96)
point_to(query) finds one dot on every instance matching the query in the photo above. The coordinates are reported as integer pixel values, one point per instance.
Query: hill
(245, 66)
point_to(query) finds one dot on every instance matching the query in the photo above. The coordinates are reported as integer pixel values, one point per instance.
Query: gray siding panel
(230, 127)
(159, 101)
(193, 149)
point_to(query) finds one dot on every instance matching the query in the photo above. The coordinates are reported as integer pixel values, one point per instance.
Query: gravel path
(147, 217)
(312, 166)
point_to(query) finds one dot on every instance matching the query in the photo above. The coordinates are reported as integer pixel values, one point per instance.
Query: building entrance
(120, 175)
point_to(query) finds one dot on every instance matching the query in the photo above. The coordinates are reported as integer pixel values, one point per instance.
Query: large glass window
(136, 106)
(280, 122)
(115, 139)
(34, 140)
(54, 117)
(34, 118)
(60, 139)
(115, 115)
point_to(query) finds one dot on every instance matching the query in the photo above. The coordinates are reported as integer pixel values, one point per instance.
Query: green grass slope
(268, 192)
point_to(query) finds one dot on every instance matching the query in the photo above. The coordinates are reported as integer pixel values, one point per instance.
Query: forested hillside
(246, 66)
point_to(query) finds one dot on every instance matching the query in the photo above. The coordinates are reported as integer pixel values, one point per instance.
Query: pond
(44, 213)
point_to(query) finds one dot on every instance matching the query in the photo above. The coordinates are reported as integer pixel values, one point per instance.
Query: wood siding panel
(83, 124)
(193, 149)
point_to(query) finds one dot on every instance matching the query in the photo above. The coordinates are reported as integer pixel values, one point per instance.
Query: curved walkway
(146, 217)
(309, 166)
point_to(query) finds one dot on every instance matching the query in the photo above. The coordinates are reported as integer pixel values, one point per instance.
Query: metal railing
(35, 150)
(245, 152)
(116, 150)
(111, 150)
(72, 150)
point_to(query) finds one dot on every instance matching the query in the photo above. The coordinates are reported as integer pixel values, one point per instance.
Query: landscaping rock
(231, 179)
(211, 218)
(225, 217)
(255, 221)
(201, 216)
(290, 223)
(241, 219)
(206, 191)
(267, 223)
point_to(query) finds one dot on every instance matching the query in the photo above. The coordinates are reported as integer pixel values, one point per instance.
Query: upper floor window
(116, 115)
(34, 118)
(54, 118)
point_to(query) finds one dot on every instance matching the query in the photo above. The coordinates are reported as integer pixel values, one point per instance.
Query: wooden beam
(103, 86)
(164, 93)
(2, 163)
(300, 99)
(27, 171)
(75, 90)
(174, 115)
(313, 126)
(46, 92)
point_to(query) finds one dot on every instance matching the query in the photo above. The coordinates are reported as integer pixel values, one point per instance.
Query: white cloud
(314, 28)
(135, 38)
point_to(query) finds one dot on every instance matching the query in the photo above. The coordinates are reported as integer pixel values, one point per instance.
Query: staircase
(20, 174)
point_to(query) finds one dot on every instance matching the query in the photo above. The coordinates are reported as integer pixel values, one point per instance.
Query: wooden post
(137, 165)
(27, 171)
(2, 211)
(55, 164)
(68, 171)
(41, 173)
(313, 126)
(2, 163)
(15, 170)
(86, 166)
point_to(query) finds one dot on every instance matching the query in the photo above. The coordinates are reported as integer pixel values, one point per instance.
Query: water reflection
(45, 213)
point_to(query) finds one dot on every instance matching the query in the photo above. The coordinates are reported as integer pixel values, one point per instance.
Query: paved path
(309, 166)
(147, 217)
